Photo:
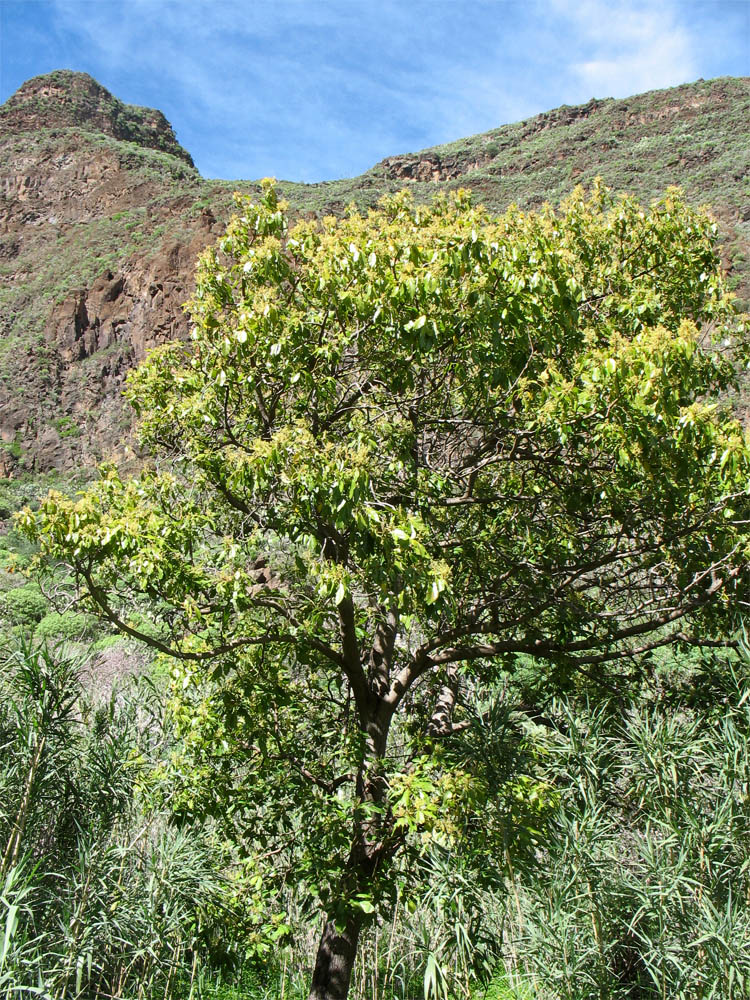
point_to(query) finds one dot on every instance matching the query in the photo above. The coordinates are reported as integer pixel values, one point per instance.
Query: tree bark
(335, 960)
(337, 950)
(338, 944)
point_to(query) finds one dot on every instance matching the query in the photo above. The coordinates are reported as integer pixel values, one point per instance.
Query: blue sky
(312, 90)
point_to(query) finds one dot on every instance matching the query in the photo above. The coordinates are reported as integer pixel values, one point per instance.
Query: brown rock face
(98, 245)
(429, 167)
(91, 339)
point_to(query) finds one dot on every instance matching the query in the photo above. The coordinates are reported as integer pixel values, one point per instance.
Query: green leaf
(364, 904)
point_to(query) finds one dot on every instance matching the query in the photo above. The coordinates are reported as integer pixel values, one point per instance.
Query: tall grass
(643, 887)
(99, 896)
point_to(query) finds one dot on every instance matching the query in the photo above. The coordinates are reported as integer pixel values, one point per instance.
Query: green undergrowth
(636, 887)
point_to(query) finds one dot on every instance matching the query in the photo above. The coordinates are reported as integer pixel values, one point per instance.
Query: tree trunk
(338, 945)
(335, 960)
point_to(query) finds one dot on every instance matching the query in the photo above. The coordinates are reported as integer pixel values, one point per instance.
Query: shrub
(65, 625)
(25, 605)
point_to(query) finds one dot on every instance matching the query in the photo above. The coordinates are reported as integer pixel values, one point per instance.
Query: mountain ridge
(102, 214)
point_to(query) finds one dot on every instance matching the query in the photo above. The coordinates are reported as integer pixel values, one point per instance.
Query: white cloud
(629, 47)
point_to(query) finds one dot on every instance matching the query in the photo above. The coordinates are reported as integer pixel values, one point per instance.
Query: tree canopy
(401, 449)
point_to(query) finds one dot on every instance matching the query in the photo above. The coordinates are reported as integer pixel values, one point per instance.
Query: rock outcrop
(96, 335)
(98, 243)
(65, 99)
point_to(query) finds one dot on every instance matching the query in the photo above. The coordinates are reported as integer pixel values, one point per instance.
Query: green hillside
(92, 187)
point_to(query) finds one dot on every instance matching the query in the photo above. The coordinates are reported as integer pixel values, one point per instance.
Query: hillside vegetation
(104, 215)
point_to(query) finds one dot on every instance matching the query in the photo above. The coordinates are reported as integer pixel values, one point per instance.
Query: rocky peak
(65, 99)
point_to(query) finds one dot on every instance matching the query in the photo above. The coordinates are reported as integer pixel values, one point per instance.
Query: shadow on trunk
(335, 959)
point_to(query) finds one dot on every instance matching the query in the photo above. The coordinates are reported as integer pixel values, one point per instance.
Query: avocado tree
(400, 449)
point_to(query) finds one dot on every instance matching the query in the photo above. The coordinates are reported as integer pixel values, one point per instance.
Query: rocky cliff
(102, 215)
(98, 238)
